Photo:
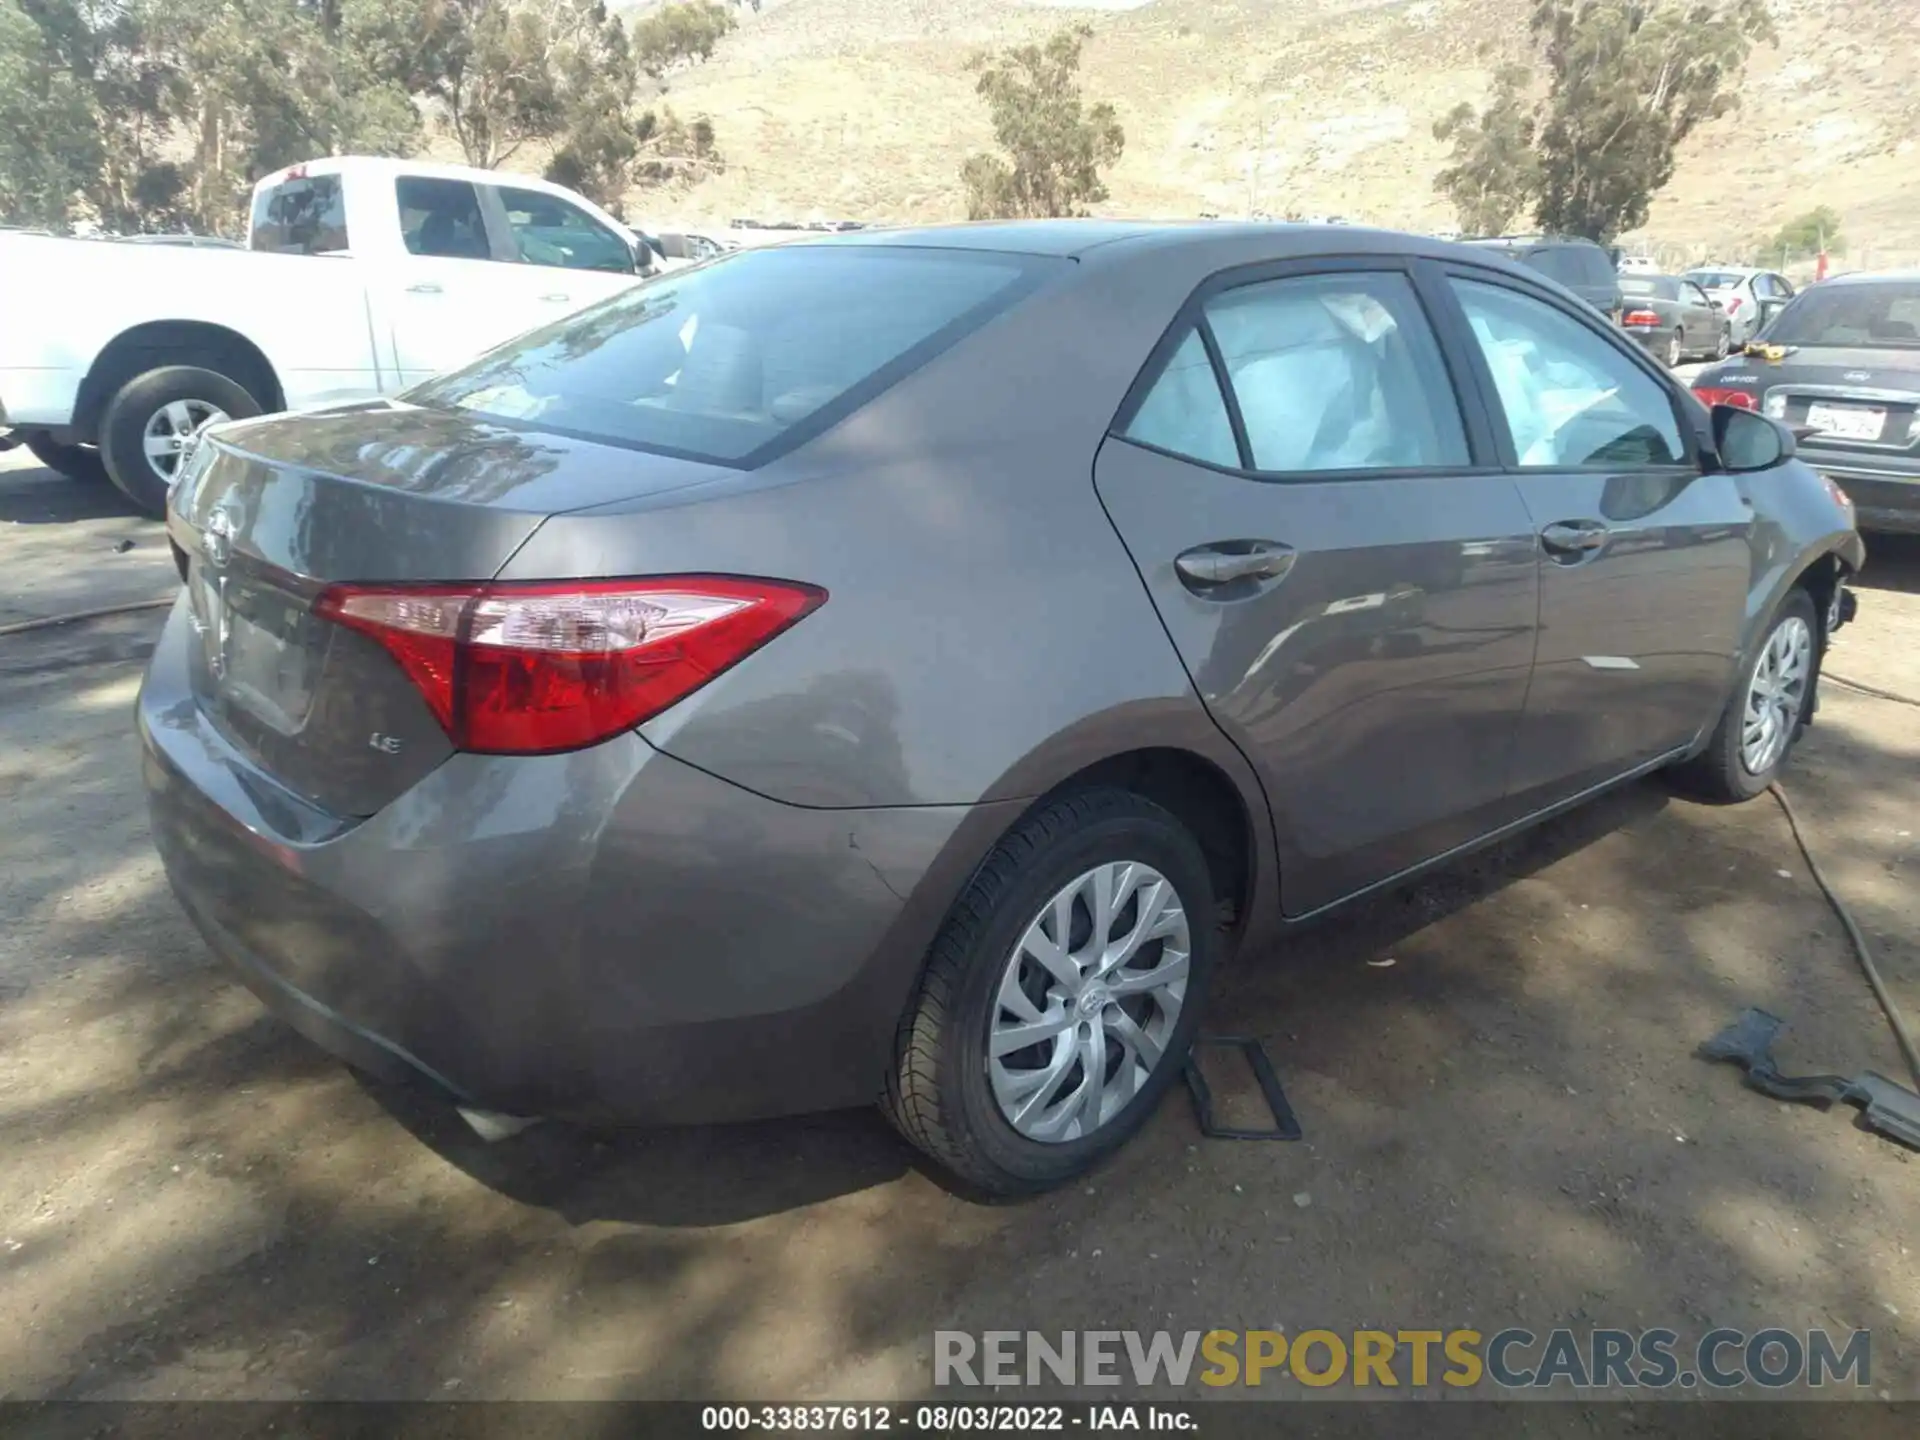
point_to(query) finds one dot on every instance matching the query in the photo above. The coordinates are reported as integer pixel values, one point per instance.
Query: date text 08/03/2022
(946, 1419)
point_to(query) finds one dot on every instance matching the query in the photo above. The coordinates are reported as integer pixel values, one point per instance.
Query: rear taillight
(1711, 395)
(1640, 317)
(514, 669)
(1734, 302)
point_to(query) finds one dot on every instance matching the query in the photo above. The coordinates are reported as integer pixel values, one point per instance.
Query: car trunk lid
(273, 512)
(1861, 399)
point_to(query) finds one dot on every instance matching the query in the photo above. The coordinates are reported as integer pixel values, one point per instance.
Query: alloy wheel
(1674, 350)
(1777, 695)
(170, 431)
(1088, 1001)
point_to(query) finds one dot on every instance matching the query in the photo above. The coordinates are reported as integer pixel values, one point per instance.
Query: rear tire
(138, 416)
(1676, 349)
(76, 462)
(1767, 711)
(1005, 1122)
(1724, 347)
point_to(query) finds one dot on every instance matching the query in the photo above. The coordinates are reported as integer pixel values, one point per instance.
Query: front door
(1643, 558)
(451, 294)
(1346, 573)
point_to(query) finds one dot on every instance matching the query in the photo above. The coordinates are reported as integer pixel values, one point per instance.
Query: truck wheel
(149, 422)
(76, 462)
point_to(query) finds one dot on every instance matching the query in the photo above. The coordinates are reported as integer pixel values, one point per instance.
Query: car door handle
(1206, 566)
(556, 297)
(1574, 537)
(425, 287)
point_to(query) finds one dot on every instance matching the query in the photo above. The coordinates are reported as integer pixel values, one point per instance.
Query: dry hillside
(864, 108)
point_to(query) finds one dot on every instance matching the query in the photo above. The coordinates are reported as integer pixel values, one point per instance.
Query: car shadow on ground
(37, 496)
(1893, 563)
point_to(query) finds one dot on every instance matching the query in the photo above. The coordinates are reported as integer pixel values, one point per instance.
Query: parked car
(1748, 297)
(115, 355)
(1673, 318)
(888, 665)
(1580, 265)
(1842, 366)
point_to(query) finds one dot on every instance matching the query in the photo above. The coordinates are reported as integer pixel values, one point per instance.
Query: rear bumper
(1885, 493)
(608, 935)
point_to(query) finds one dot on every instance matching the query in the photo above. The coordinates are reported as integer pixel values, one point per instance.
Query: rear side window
(300, 217)
(1570, 397)
(1184, 413)
(1651, 287)
(441, 218)
(733, 360)
(1337, 372)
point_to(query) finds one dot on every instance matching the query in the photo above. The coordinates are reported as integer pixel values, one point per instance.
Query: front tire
(1767, 711)
(76, 462)
(1060, 998)
(149, 423)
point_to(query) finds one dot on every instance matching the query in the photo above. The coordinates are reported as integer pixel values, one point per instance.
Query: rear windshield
(751, 352)
(300, 217)
(1716, 279)
(1652, 287)
(1884, 313)
(1575, 266)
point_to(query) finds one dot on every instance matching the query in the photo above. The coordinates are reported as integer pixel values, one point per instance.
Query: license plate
(1847, 422)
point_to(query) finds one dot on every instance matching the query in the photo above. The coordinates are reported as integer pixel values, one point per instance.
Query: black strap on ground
(1285, 1125)
(1889, 1109)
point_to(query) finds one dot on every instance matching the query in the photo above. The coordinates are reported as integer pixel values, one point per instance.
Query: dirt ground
(1504, 1126)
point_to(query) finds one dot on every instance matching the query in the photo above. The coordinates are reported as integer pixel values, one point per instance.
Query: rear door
(1702, 320)
(1339, 560)
(1643, 558)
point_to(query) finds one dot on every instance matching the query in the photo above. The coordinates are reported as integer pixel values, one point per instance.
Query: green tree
(1626, 82)
(1807, 235)
(606, 145)
(1630, 80)
(1495, 174)
(50, 145)
(1055, 145)
(678, 34)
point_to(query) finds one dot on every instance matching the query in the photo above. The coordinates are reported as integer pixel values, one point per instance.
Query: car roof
(1870, 277)
(1075, 239)
(1745, 271)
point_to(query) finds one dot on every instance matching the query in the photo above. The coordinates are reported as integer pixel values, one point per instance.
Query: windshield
(1651, 287)
(728, 360)
(1880, 314)
(1716, 279)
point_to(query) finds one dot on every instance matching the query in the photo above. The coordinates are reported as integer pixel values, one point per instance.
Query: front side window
(549, 231)
(1569, 397)
(1338, 372)
(300, 217)
(441, 218)
(724, 361)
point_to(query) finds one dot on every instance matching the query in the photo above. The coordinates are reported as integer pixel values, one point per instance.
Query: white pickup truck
(112, 356)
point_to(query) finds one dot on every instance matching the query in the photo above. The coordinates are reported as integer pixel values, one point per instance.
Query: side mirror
(1746, 442)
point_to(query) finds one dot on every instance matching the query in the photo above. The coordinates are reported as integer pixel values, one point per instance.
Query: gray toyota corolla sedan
(905, 666)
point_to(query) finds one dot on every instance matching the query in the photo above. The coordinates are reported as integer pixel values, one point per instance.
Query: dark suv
(1580, 265)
